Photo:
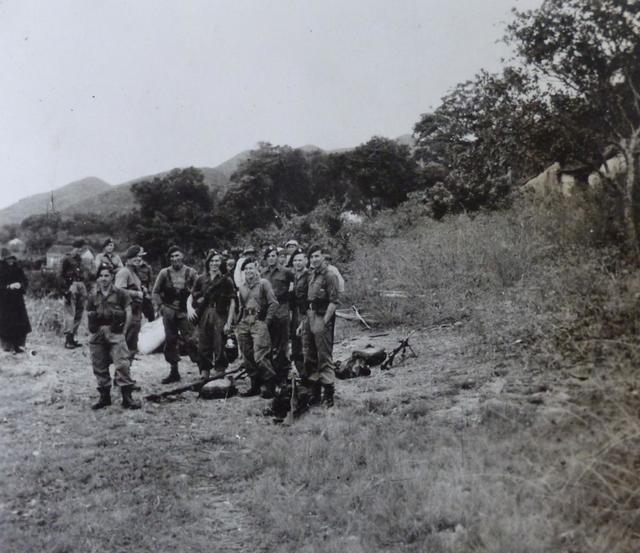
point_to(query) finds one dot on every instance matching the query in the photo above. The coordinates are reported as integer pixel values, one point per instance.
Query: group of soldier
(273, 302)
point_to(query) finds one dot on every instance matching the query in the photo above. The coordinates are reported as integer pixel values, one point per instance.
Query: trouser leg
(169, 321)
(120, 357)
(245, 345)
(187, 335)
(221, 362)
(131, 337)
(100, 358)
(323, 369)
(262, 349)
(279, 335)
(206, 342)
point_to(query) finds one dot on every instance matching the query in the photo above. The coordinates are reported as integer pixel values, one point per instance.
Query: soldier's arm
(272, 302)
(333, 294)
(158, 287)
(127, 319)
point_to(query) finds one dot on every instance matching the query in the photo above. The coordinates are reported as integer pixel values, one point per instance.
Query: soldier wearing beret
(108, 258)
(127, 279)
(170, 293)
(109, 317)
(281, 280)
(317, 328)
(74, 292)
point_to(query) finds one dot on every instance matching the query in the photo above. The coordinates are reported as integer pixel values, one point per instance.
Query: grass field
(515, 430)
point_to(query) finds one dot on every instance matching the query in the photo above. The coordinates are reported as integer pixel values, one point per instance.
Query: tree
(175, 209)
(586, 53)
(377, 174)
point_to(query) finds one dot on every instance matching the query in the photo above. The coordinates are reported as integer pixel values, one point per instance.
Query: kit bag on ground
(218, 389)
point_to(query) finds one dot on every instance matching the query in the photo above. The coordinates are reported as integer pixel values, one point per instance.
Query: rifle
(400, 349)
(194, 386)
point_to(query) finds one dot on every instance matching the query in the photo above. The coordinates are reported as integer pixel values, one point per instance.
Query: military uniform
(75, 295)
(107, 315)
(145, 273)
(170, 294)
(258, 308)
(317, 336)
(128, 280)
(110, 260)
(280, 280)
(299, 305)
(212, 300)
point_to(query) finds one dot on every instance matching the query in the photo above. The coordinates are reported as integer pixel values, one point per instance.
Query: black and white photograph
(320, 276)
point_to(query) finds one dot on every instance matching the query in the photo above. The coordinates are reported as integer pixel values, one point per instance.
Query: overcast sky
(123, 88)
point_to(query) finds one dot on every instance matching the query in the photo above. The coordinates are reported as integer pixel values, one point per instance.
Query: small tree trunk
(631, 199)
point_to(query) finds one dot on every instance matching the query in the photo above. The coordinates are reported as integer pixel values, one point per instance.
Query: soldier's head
(299, 260)
(316, 256)
(77, 246)
(250, 268)
(104, 276)
(291, 246)
(282, 257)
(176, 257)
(215, 263)
(231, 264)
(133, 256)
(271, 256)
(108, 245)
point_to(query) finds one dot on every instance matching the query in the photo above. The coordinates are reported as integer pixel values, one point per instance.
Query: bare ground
(179, 476)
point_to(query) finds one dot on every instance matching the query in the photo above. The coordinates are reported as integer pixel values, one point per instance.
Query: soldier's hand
(227, 328)
(191, 313)
(15, 286)
(299, 330)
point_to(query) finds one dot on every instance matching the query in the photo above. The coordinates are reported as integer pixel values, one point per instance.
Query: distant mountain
(64, 197)
(120, 199)
(93, 195)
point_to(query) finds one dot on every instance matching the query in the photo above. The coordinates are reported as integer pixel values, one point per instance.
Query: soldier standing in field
(108, 258)
(109, 317)
(170, 293)
(299, 304)
(214, 306)
(317, 329)
(281, 280)
(74, 292)
(145, 272)
(127, 279)
(258, 307)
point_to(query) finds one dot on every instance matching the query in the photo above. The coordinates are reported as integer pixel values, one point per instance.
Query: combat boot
(269, 389)
(105, 398)
(329, 392)
(69, 342)
(127, 401)
(255, 388)
(174, 375)
(315, 395)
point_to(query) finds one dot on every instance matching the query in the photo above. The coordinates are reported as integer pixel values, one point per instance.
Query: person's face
(176, 259)
(231, 263)
(299, 262)
(214, 263)
(282, 258)
(104, 278)
(316, 259)
(136, 261)
(272, 259)
(109, 247)
(251, 271)
(291, 248)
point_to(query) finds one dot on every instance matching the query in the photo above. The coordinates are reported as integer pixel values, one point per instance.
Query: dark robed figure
(14, 321)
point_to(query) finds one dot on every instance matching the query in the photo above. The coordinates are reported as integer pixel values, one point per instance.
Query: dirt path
(174, 476)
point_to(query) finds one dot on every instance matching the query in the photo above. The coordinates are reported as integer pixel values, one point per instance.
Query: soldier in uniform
(145, 273)
(170, 293)
(299, 304)
(281, 281)
(109, 317)
(108, 258)
(258, 307)
(317, 328)
(14, 320)
(75, 293)
(214, 300)
(127, 279)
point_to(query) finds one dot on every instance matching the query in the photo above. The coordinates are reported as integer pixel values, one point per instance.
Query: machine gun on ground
(194, 386)
(399, 350)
